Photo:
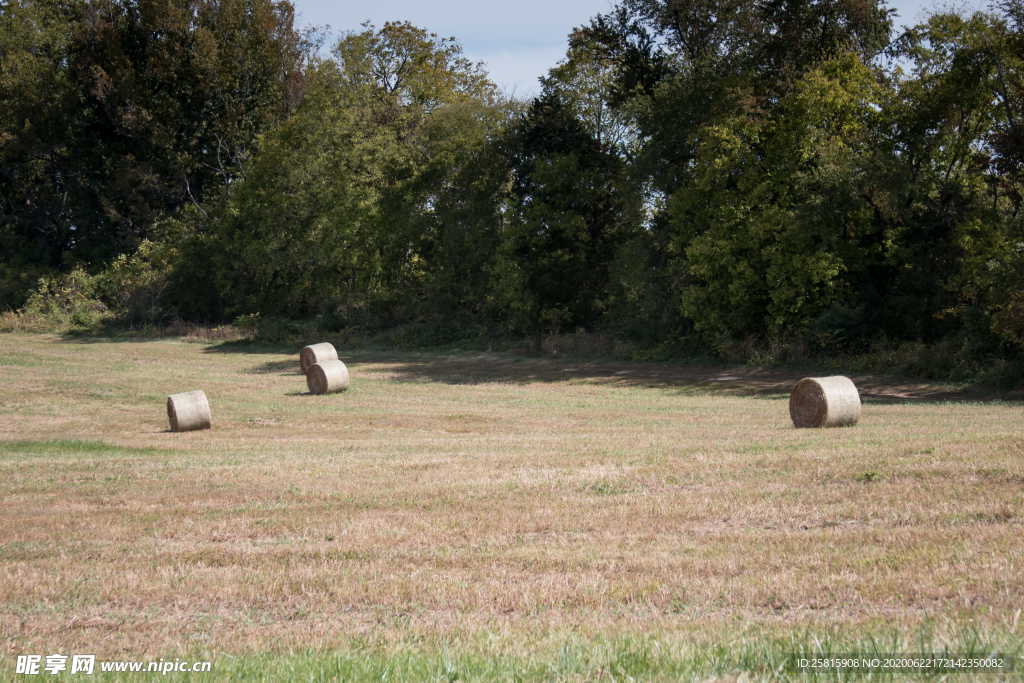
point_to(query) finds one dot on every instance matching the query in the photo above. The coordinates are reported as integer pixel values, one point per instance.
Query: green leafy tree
(709, 89)
(773, 226)
(960, 117)
(681, 65)
(36, 96)
(568, 216)
(340, 211)
(115, 112)
(858, 205)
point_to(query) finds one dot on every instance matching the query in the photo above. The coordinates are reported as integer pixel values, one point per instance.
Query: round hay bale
(327, 377)
(824, 402)
(188, 411)
(316, 353)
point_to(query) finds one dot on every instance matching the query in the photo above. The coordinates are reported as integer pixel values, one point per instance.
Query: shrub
(134, 285)
(62, 302)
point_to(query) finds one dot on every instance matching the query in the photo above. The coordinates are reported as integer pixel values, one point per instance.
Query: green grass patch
(71, 447)
(25, 551)
(20, 361)
(626, 658)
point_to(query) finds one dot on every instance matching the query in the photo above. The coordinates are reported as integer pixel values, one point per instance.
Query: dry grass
(446, 497)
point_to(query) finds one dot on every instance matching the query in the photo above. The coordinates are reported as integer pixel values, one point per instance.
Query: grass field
(489, 516)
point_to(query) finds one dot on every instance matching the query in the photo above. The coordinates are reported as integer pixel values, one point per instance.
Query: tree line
(717, 173)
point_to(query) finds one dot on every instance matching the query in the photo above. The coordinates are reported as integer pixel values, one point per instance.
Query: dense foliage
(784, 174)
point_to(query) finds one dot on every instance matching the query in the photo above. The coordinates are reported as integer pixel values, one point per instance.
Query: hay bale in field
(824, 402)
(327, 377)
(316, 353)
(188, 411)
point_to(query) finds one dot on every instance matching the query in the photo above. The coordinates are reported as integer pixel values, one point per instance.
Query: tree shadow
(281, 367)
(697, 379)
(255, 347)
(79, 337)
(475, 367)
(114, 331)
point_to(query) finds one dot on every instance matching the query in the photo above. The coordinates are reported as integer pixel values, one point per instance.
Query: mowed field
(485, 515)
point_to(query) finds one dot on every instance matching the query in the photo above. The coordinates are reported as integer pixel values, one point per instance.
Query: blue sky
(517, 41)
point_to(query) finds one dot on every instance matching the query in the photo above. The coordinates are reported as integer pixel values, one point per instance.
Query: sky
(517, 41)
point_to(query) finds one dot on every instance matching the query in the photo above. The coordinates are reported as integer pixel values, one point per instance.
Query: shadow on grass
(283, 367)
(468, 368)
(475, 367)
(114, 331)
(78, 337)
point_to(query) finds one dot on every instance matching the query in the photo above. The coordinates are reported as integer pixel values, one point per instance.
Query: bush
(1008, 319)
(133, 286)
(61, 302)
(17, 281)
(130, 290)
